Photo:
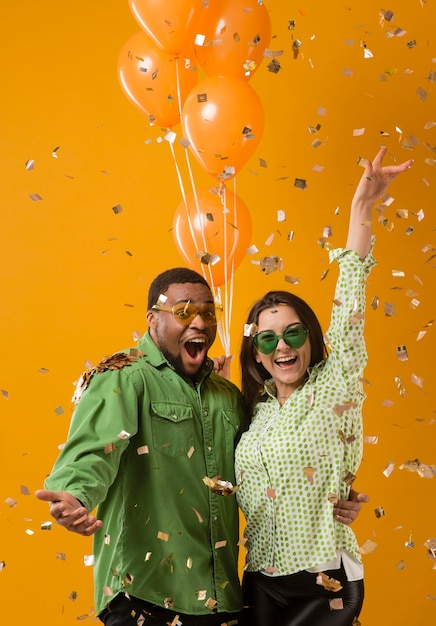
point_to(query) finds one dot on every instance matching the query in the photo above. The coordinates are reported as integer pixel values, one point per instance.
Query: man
(151, 443)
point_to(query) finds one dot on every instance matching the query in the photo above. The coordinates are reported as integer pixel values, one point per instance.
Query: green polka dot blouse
(296, 458)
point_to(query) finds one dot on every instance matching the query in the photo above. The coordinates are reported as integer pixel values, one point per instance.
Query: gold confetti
(336, 604)
(401, 389)
(430, 544)
(367, 547)
(197, 513)
(220, 487)
(309, 473)
(349, 478)
(210, 603)
(300, 183)
(163, 536)
(417, 380)
(333, 498)
(379, 512)
(271, 264)
(389, 469)
(324, 275)
(402, 353)
(274, 66)
(293, 280)
(370, 439)
(339, 409)
(330, 584)
(423, 471)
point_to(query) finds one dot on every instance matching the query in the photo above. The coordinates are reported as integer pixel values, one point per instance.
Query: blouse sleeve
(344, 338)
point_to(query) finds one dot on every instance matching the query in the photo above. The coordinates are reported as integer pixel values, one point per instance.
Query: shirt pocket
(231, 429)
(172, 428)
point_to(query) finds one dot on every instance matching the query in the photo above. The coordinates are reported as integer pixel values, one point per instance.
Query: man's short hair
(176, 275)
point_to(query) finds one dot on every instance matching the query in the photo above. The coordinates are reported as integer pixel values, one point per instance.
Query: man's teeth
(197, 341)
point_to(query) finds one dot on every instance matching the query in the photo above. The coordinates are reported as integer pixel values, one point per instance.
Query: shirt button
(209, 448)
(205, 413)
(174, 417)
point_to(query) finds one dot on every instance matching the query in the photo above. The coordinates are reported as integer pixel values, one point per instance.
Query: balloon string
(200, 218)
(225, 211)
(179, 176)
(182, 190)
(223, 197)
(179, 95)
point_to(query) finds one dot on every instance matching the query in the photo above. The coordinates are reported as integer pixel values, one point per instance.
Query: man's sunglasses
(186, 312)
(294, 335)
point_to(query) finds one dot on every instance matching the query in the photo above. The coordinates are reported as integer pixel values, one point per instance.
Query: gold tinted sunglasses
(185, 312)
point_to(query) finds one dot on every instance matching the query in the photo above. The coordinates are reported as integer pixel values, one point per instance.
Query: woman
(303, 448)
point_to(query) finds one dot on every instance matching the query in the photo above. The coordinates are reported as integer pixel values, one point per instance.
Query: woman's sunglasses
(294, 335)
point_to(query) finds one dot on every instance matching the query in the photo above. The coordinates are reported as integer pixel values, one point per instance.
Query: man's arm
(69, 512)
(346, 511)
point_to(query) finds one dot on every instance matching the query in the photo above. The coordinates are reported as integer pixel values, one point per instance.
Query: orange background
(74, 275)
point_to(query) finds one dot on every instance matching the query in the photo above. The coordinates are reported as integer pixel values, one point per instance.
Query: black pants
(297, 600)
(126, 612)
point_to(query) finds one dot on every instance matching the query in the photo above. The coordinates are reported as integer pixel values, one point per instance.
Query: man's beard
(175, 359)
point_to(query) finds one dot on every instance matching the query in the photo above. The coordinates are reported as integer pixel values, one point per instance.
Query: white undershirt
(353, 568)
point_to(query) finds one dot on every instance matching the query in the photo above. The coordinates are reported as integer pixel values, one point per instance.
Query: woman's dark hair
(176, 275)
(253, 374)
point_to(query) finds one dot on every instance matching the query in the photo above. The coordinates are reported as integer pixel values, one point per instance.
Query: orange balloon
(237, 33)
(217, 229)
(170, 23)
(153, 79)
(223, 120)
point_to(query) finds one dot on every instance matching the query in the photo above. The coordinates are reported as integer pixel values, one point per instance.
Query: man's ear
(151, 318)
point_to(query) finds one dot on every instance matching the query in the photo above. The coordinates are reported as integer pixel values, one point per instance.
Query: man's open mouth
(196, 348)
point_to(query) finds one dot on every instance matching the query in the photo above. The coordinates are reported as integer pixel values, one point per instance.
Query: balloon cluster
(221, 115)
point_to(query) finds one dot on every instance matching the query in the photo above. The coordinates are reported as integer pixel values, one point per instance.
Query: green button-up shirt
(141, 440)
